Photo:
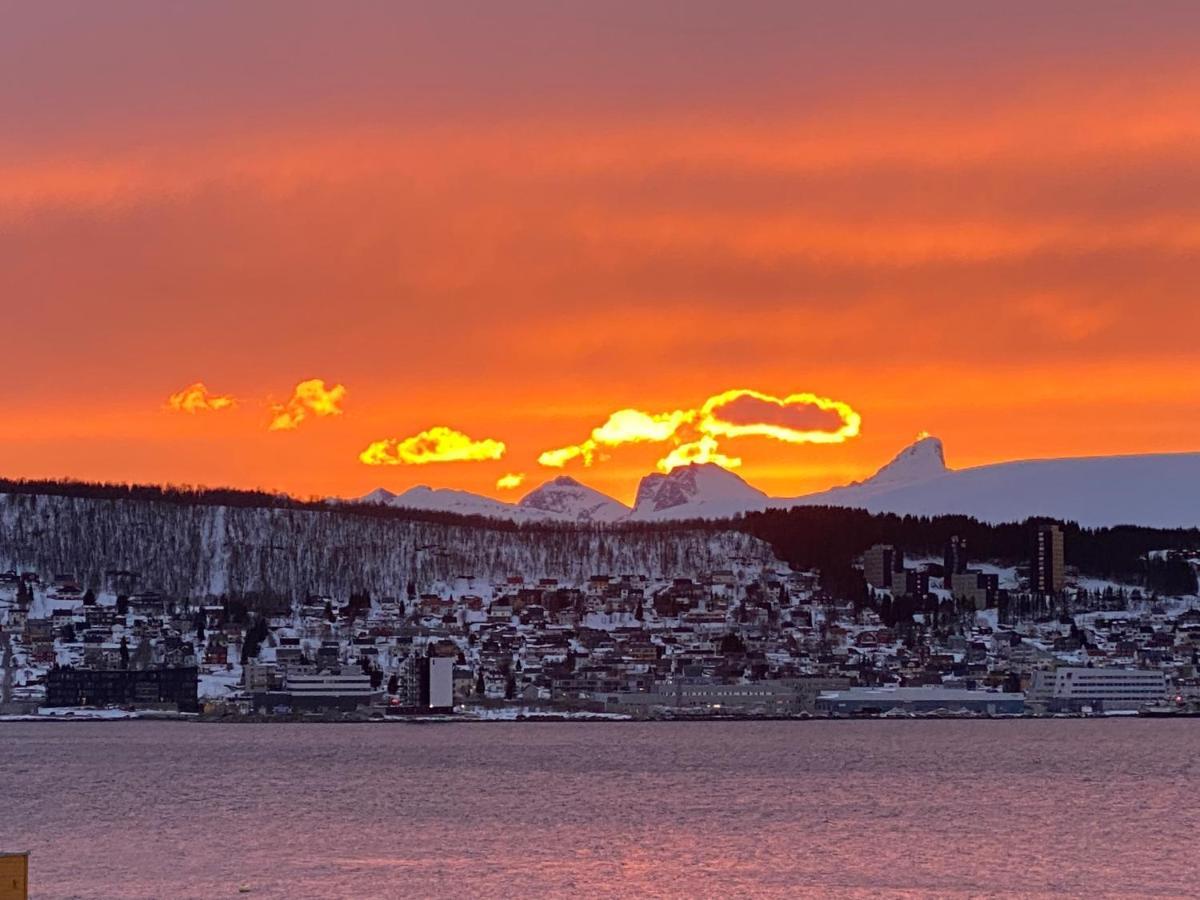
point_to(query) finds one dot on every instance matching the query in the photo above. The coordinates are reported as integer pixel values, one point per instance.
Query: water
(850, 809)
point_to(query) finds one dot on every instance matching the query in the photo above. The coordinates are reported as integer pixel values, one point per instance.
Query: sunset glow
(560, 230)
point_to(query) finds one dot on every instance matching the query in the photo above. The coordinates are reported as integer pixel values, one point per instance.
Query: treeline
(236, 498)
(275, 556)
(831, 538)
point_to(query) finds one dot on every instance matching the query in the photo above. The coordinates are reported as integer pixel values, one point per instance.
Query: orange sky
(978, 223)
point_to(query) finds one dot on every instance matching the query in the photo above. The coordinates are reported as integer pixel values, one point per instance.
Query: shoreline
(556, 718)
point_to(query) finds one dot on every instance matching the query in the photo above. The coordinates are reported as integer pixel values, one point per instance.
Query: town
(933, 637)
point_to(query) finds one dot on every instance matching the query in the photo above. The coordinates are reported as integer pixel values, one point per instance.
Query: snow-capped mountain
(562, 499)
(449, 500)
(703, 491)
(919, 462)
(566, 498)
(1160, 490)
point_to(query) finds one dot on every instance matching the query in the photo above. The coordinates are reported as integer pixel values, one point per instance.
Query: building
(1047, 569)
(879, 700)
(1072, 688)
(980, 588)
(69, 686)
(781, 697)
(318, 689)
(954, 559)
(426, 685)
(910, 583)
(880, 563)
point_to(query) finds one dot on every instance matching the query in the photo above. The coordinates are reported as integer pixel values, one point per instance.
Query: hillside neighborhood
(751, 638)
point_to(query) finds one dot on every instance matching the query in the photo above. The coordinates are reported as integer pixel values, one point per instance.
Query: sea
(1006, 808)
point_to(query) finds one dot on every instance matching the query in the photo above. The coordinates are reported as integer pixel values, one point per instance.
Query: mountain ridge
(1157, 489)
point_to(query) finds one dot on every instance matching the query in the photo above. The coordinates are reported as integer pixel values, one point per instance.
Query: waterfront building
(863, 701)
(317, 689)
(167, 685)
(1071, 688)
(426, 684)
(774, 697)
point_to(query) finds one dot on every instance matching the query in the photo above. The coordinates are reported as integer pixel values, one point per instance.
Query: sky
(406, 244)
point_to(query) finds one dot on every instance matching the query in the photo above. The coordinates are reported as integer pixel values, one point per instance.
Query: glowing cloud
(437, 444)
(511, 481)
(796, 419)
(625, 426)
(197, 398)
(309, 398)
(704, 450)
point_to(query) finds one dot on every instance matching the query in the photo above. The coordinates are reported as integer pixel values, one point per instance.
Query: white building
(1070, 688)
(339, 688)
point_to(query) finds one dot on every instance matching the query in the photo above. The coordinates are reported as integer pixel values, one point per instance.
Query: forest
(199, 541)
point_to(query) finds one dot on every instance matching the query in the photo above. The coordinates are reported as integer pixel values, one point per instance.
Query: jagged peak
(924, 458)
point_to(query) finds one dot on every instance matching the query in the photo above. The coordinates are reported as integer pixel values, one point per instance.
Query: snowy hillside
(1155, 490)
(695, 492)
(197, 550)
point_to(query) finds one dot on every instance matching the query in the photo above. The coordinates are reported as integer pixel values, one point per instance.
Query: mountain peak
(564, 497)
(922, 460)
(699, 490)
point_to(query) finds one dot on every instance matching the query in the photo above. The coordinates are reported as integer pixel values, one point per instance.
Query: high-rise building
(1047, 569)
(880, 564)
(954, 558)
(426, 684)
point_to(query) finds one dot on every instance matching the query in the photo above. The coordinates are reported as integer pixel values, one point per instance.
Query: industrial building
(777, 697)
(867, 701)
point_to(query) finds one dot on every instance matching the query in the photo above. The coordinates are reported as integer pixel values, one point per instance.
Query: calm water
(851, 809)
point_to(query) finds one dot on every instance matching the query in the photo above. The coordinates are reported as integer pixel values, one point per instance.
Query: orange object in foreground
(14, 876)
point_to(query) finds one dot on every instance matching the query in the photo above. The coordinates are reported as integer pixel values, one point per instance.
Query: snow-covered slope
(566, 498)
(561, 500)
(1156, 489)
(695, 492)
(449, 500)
(198, 550)
(919, 462)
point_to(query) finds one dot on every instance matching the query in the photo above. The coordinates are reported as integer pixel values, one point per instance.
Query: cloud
(309, 398)
(197, 398)
(625, 426)
(802, 418)
(511, 481)
(437, 444)
(704, 450)
(798, 419)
